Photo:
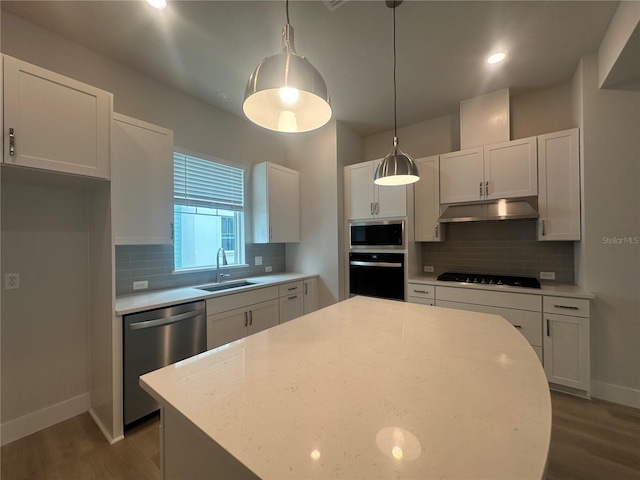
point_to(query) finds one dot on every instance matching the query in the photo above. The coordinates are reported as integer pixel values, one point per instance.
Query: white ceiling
(209, 48)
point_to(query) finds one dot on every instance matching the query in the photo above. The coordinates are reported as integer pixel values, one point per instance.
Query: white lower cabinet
(557, 328)
(235, 316)
(291, 300)
(310, 295)
(523, 311)
(419, 293)
(226, 327)
(566, 342)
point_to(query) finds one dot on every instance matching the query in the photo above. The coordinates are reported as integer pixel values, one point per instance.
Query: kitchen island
(366, 388)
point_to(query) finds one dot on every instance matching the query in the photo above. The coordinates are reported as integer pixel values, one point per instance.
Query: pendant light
(285, 92)
(397, 168)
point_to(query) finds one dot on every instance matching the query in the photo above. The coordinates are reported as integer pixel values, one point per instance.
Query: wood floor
(590, 440)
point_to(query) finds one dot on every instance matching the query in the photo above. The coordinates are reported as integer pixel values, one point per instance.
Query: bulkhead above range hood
(504, 209)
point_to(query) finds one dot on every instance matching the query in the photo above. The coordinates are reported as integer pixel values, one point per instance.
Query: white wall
(542, 111)
(611, 208)
(314, 155)
(45, 350)
(431, 137)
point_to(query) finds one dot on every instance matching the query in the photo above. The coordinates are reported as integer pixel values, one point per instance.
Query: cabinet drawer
(290, 288)
(521, 301)
(578, 307)
(529, 324)
(420, 300)
(420, 290)
(240, 300)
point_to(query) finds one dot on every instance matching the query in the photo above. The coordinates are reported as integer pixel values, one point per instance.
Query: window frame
(240, 235)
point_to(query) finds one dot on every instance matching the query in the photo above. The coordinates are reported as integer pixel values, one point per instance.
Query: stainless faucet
(224, 262)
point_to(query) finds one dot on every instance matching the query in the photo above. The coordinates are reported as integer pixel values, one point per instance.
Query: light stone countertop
(556, 290)
(371, 388)
(138, 302)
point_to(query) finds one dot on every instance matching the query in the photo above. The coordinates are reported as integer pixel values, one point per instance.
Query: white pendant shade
(286, 93)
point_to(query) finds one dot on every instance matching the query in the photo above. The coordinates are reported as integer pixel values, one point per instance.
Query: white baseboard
(103, 429)
(34, 422)
(615, 393)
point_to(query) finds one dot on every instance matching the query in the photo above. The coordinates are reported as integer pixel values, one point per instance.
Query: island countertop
(370, 388)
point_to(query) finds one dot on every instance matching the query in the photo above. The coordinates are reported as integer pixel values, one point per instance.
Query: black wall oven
(377, 275)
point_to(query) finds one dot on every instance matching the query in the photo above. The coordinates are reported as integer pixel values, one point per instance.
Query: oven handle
(376, 264)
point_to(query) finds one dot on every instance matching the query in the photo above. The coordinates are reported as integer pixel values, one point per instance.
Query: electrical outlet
(141, 285)
(11, 281)
(428, 268)
(547, 275)
(258, 261)
(268, 269)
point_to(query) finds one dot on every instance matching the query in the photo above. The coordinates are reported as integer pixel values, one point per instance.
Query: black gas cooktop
(511, 281)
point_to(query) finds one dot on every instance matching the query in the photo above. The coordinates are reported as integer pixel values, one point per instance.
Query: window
(208, 212)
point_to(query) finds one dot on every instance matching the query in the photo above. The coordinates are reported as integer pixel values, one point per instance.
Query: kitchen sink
(216, 287)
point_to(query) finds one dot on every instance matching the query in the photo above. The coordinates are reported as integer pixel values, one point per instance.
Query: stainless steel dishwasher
(155, 339)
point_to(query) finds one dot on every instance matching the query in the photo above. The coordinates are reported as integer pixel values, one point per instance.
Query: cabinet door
(391, 201)
(361, 201)
(566, 351)
(291, 307)
(58, 123)
(427, 201)
(462, 176)
(559, 177)
(511, 169)
(310, 299)
(262, 316)
(284, 204)
(141, 182)
(226, 327)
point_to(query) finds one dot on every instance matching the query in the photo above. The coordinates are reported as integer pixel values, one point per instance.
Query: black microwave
(379, 234)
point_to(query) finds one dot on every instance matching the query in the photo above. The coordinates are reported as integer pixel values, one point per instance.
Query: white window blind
(202, 183)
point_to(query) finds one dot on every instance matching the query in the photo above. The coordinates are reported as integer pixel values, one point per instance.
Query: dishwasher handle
(158, 322)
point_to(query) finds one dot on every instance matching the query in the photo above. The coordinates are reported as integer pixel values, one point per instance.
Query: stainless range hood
(504, 209)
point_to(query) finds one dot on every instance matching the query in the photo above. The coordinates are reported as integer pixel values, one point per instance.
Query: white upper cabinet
(427, 201)
(141, 182)
(367, 200)
(504, 170)
(559, 176)
(276, 204)
(462, 176)
(53, 122)
(511, 169)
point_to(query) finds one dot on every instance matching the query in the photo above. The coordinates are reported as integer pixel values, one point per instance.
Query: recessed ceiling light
(159, 4)
(496, 57)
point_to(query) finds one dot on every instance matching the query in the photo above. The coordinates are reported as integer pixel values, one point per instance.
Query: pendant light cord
(395, 120)
(287, 9)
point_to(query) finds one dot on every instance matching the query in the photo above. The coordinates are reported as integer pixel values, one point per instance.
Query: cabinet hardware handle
(250, 317)
(371, 208)
(480, 189)
(292, 298)
(270, 233)
(377, 208)
(292, 288)
(518, 326)
(486, 189)
(172, 231)
(543, 227)
(421, 291)
(568, 307)
(12, 142)
(305, 289)
(548, 335)
(246, 319)
(437, 230)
